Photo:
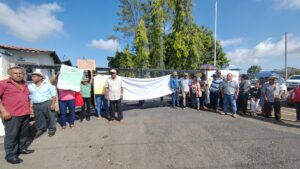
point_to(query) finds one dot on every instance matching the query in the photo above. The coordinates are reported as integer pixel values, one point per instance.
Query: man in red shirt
(15, 113)
(297, 101)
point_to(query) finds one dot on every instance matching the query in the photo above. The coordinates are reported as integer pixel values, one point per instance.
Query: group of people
(224, 94)
(18, 100)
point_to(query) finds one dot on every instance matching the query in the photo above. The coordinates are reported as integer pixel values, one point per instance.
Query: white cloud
(31, 22)
(266, 52)
(109, 45)
(289, 4)
(232, 42)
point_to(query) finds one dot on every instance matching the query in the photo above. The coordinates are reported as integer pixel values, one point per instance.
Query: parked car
(293, 82)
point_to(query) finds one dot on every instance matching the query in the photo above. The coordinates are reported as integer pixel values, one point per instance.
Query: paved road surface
(165, 138)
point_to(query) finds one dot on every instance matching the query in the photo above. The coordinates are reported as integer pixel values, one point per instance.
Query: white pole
(285, 56)
(216, 21)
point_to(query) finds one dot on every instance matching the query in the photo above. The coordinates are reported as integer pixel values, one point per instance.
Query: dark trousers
(16, 133)
(268, 108)
(115, 106)
(242, 102)
(202, 99)
(298, 110)
(86, 108)
(214, 97)
(44, 117)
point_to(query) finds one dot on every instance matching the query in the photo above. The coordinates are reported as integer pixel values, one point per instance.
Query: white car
(293, 81)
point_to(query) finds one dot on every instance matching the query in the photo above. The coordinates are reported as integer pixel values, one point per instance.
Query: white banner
(144, 89)
(69, 78)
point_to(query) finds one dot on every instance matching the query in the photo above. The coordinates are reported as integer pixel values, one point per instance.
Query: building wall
(23, 57)
(4, 65)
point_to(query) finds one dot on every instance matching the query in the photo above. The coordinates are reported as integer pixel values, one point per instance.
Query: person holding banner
(114, 93)
(85, 90)
(174, 85)
(99, 91)
(66, 99)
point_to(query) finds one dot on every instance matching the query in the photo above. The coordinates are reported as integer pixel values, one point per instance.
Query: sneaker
(234, 115)
(99, 118)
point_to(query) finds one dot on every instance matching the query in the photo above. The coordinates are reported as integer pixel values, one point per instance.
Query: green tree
(254, 69)
(141, 46)
(129, 16)
(177, 49)
(208, 42)
(156, 45)
(126, 60)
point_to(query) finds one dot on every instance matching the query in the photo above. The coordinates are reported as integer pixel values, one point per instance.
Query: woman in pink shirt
(66, 100)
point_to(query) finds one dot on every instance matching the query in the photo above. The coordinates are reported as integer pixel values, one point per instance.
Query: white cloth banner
(144, 89)
(69, 78)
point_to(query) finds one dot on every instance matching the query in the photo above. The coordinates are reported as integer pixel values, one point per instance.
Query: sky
(251, 31)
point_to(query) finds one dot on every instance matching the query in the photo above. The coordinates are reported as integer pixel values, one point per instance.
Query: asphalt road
(165, 138)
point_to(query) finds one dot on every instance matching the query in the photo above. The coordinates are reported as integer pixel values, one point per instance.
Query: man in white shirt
(43, 98)
(185, 84)
(114, 93)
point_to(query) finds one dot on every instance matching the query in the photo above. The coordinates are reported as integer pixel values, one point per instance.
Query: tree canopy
(162, 34)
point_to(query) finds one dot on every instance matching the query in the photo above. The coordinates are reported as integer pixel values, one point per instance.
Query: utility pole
(285, 53)
(216, 21)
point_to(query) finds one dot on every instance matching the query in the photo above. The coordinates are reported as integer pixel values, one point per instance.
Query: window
(295, 78)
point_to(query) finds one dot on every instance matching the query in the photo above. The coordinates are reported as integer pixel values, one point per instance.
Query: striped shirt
(215, 85)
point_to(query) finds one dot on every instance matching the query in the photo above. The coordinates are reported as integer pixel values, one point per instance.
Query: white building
(12, 55)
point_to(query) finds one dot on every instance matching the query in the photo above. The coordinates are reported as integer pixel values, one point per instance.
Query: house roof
(67, 62)
(33, 50)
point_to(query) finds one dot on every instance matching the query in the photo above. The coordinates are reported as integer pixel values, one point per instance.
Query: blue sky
(251, 31)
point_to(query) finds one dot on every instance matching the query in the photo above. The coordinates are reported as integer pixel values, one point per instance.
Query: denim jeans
(229, 100)
(195, 101)
(100, 99)
(44, 117)
(202, 99)
(63, 105)
(16, 134)
(175, 98)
